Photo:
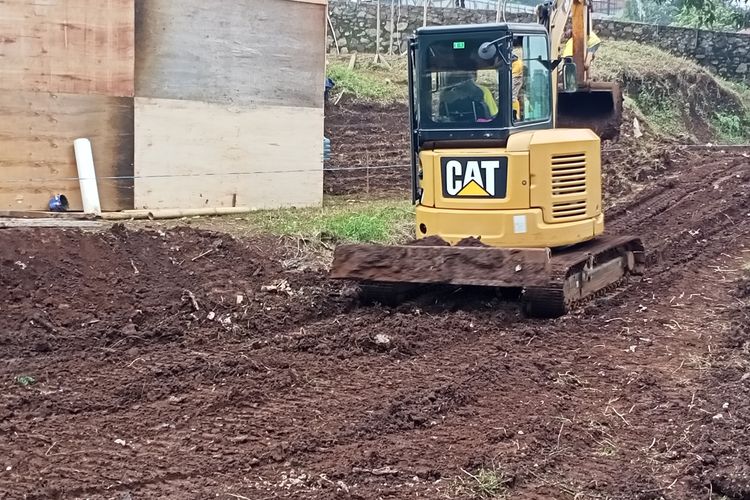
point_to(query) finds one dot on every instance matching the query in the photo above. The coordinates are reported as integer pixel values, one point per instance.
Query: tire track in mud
(689, 213)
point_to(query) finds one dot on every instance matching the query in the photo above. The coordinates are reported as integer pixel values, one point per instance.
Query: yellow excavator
(506, 167)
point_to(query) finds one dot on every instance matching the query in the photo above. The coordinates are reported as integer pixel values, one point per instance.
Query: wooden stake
(392, 27)
(333, 33)
(377, 33)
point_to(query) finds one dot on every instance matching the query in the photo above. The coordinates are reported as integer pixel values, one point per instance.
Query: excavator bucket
(597, 107)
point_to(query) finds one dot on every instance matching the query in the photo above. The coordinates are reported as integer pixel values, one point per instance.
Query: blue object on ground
(326, 148)
(59, 203)
(328, 87)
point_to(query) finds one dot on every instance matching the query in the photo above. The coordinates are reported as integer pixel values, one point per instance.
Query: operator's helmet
(458, 77)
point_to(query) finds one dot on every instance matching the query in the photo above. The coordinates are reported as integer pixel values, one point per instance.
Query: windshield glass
(464, 89)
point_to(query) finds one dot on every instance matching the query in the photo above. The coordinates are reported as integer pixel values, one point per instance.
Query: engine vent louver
(569, 194)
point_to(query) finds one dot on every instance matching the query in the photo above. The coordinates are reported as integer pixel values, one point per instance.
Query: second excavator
(506, 167)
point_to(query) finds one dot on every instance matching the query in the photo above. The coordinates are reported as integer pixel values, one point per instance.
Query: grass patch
(382, 221)
(369, 81)
(732, 129)
(626, 60)
(25, 380)
(607, 448)
(485, 484)
(675, 95)
(661, 111)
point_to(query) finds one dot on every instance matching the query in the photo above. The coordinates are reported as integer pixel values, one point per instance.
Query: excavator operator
(464, 99)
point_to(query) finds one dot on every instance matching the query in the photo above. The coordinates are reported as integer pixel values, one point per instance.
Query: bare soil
(369, 149)
(185, 363)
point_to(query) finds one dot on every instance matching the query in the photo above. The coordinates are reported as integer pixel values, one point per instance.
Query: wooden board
(75, 46)
(37, 161)
(39, 214)
(193, 155)
(49, 222)
(241, 52)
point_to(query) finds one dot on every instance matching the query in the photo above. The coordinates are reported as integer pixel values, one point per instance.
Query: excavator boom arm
(593, 105)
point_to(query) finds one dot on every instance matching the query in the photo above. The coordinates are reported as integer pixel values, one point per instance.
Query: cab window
(531, 87)
(464, 89)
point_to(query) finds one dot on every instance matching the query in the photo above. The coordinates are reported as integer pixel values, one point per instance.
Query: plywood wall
(66, 71)
(230, 95)
(174, 95)
(244, 52)
(37, 130)
(75, 46)
(195, 154)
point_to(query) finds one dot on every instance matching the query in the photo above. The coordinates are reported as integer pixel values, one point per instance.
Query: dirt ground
(369, 149)
(183, 363)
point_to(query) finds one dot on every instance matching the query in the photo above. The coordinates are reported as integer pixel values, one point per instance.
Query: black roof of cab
(478, 28)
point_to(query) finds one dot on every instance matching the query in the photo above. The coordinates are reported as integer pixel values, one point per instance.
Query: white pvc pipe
(87, 176)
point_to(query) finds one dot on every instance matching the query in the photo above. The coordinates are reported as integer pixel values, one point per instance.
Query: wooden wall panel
(37, 130)
(248, 52)
(192, 154)
(75, 46)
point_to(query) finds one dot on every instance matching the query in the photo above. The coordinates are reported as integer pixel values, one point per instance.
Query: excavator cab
(480, 82)
(503, 198)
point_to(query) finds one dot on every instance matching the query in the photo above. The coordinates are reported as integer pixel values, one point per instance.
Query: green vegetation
(662, 111)
(485, 484)
(721, 17)
(381, 221)
(741, 89)
(626, 60)
(711, 14)
(25, 380)
(369, 81)
(732, 129)
(676, 96)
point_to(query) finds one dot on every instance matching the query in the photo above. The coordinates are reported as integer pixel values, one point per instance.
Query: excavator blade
(597, 107)
(450, 265)
(552, 282)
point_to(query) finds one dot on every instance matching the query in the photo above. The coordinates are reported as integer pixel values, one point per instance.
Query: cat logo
(474, 177)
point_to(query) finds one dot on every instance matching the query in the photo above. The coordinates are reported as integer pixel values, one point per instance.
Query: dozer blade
(552, 282)
(597, 107)
(451, 265)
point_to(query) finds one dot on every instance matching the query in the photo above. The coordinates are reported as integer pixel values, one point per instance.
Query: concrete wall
(725, 53)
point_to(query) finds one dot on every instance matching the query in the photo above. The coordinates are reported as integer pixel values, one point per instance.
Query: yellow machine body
(504, 196)
(552, 195)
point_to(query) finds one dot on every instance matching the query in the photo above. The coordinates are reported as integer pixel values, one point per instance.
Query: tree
(715, 13)
(652, 11)
(720, 16)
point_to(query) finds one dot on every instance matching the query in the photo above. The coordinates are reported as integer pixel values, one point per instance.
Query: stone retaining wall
(725, 53)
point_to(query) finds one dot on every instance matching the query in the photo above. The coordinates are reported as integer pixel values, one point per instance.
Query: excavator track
(583, 273)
